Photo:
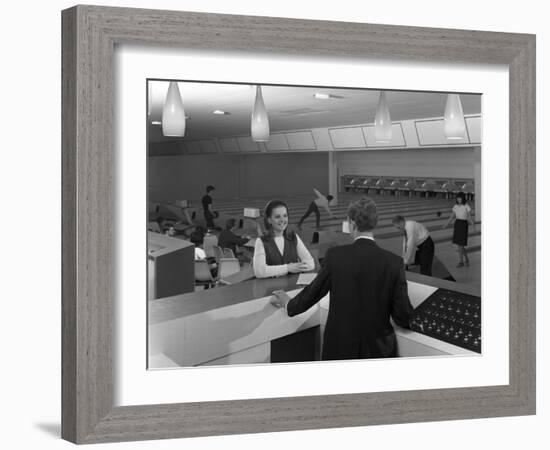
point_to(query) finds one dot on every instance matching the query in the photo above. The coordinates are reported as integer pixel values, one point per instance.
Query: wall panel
(237, 175)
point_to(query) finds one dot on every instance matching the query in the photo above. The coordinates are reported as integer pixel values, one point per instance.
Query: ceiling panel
(289, 107)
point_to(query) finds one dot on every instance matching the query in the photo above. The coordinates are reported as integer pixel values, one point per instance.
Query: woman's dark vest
(272, 255)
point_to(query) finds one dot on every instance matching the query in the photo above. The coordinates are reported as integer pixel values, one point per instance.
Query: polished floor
(432, 212)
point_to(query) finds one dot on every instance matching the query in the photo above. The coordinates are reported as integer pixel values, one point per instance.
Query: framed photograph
(147, 342)
(216, 264)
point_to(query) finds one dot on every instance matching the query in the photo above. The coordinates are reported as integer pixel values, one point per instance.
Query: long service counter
(236, 324)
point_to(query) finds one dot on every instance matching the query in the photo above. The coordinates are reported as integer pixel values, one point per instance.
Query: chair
(228, 253)
(154, 226)
(218, 253)
(228, 266)
(203, 276)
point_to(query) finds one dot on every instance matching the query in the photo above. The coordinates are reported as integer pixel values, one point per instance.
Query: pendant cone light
(173, 114)
(259, 126)
(455, 126)
(382, 120)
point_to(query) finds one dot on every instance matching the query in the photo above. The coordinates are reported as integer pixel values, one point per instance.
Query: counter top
(161, 244)
(209, 326)
(170, 308)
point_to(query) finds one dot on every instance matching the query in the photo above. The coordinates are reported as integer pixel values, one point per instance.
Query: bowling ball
(438, 213)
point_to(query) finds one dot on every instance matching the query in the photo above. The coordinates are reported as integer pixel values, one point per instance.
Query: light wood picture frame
(89, 35)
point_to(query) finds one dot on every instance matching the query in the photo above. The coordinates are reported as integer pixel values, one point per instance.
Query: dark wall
(237, 176)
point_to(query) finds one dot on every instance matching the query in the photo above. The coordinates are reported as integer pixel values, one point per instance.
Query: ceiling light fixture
(173, 114)
(382, 121)
(219, 112)
(259, 123)
(454, 124)
(321, 96)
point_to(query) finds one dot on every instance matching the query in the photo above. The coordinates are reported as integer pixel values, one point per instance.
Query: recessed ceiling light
(219, 112)
(158, 122)
(321, 96)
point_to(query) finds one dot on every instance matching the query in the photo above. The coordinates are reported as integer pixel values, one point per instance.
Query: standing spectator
(208, 209)
(313, 207)
(461, 215)
(418, 246)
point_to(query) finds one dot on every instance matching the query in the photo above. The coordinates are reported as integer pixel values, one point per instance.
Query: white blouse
(416, 234)
(262, 270)
(462, 211)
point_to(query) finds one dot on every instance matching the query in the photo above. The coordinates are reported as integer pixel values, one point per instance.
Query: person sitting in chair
(229, 239)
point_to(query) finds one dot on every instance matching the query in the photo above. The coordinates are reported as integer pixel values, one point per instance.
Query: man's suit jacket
(367, 285)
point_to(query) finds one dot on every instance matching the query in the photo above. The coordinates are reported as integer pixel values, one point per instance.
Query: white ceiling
(289, 107)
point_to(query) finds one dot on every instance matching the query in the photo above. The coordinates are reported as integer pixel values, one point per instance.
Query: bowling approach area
(432, 212)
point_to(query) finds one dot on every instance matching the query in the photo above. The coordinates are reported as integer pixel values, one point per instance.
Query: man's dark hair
(209, 188)
(364, 213)
(329, 197)
(230, 223)
(197, 238)
(398, 219)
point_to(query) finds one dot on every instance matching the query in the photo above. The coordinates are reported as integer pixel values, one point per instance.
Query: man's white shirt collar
(364, 237)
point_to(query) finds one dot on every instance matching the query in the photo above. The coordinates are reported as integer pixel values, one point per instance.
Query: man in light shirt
(418, 246)
(367, 286)
(320, 201)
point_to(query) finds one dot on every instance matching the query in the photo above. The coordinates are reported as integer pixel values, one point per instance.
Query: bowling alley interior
(218, 153)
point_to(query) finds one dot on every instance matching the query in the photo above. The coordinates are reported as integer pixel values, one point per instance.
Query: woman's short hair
(364, 213)
(461, 195)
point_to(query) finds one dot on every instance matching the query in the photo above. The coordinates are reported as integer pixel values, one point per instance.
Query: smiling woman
(279, 251)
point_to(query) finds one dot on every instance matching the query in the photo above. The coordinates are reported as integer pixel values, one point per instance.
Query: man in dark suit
(367, 285)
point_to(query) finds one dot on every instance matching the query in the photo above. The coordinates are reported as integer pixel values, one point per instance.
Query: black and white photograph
(290, 224)
(275, 225)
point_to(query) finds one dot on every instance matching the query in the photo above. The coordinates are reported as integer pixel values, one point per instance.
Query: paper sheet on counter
(306, 278)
